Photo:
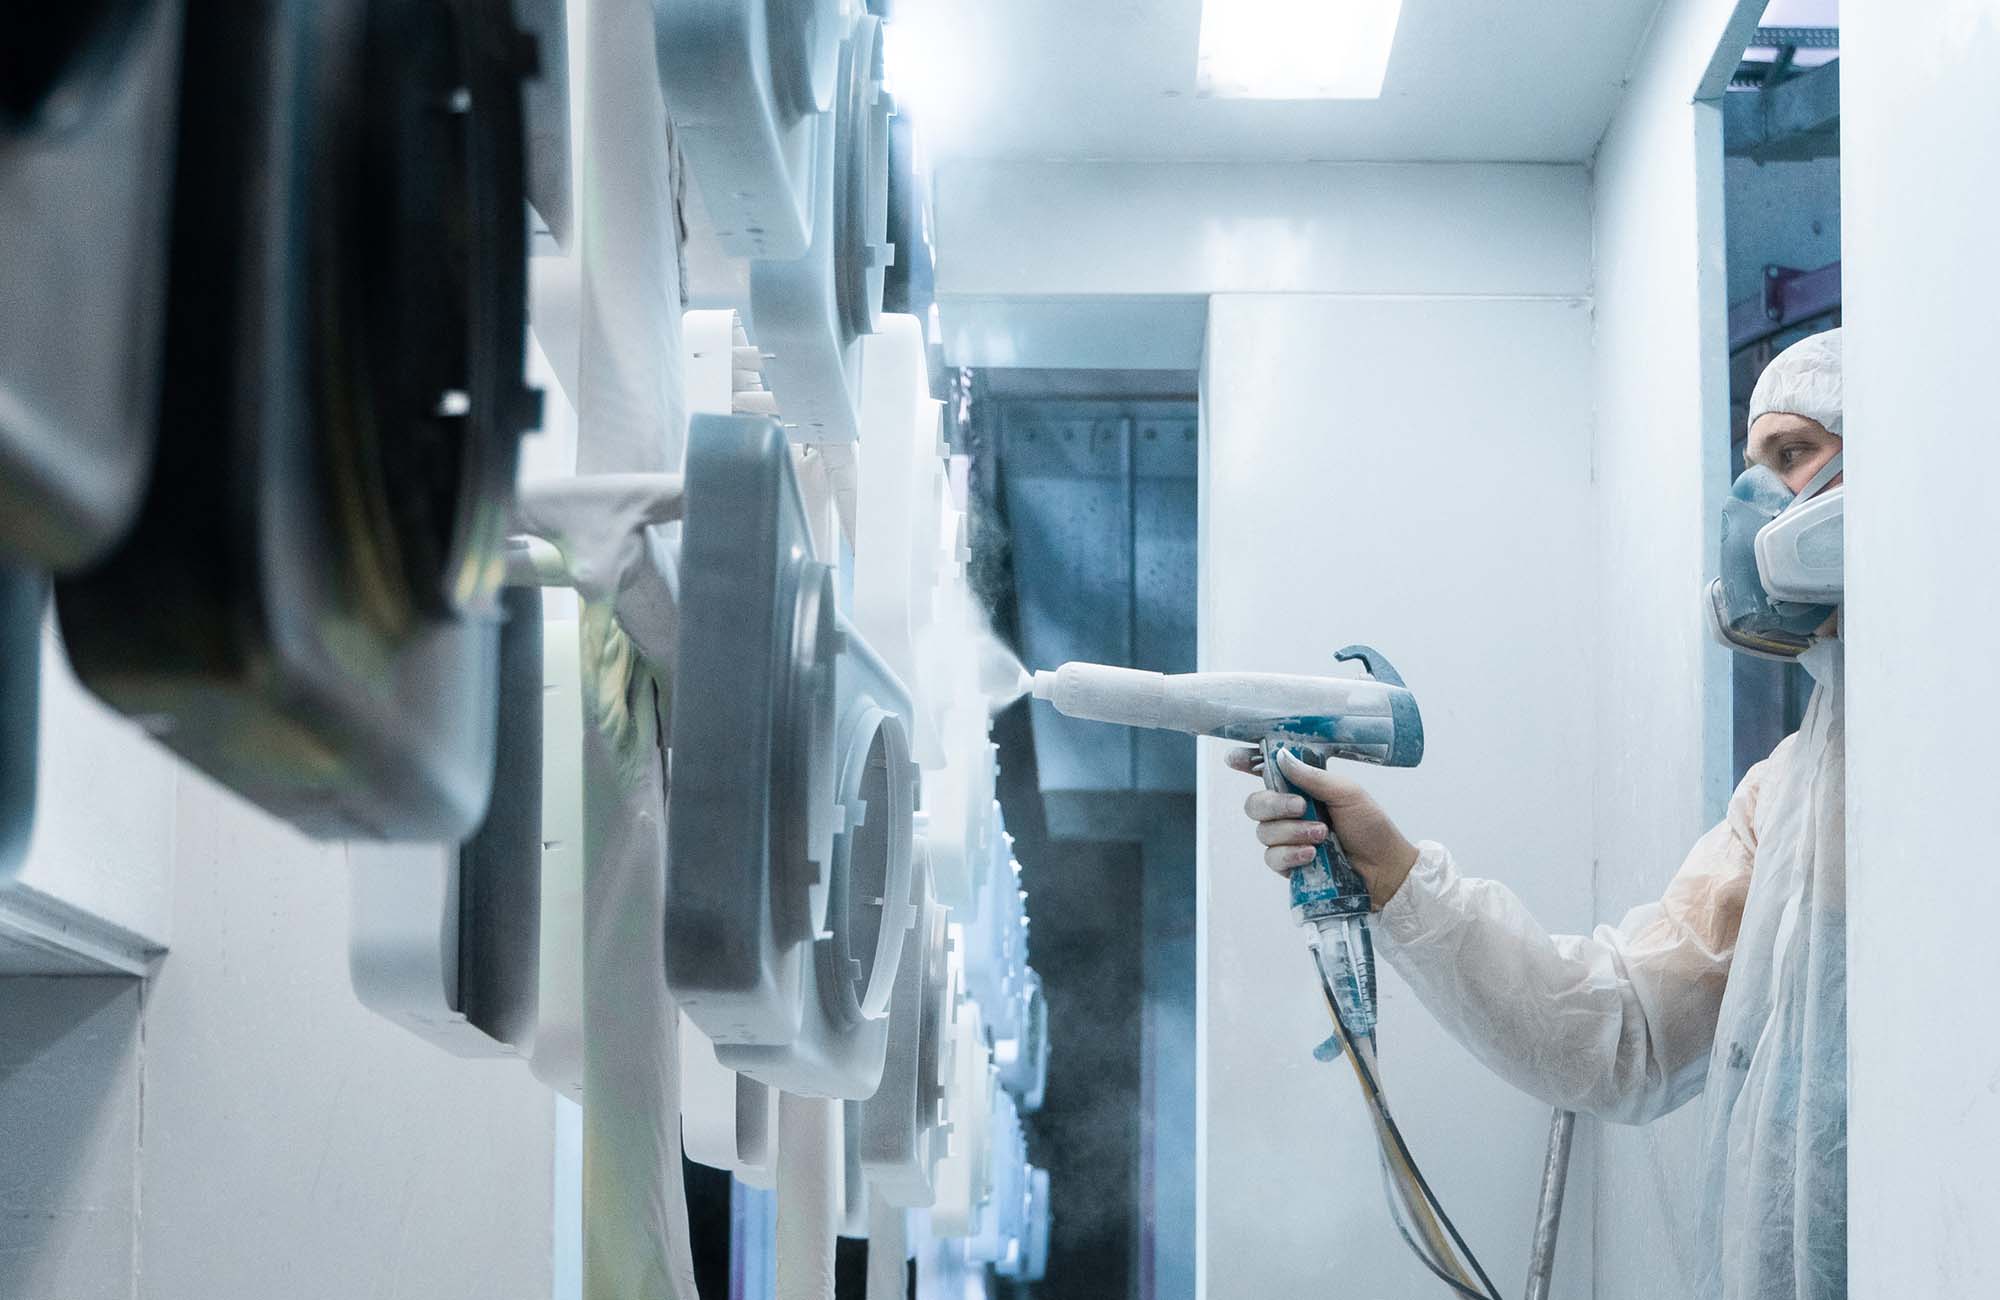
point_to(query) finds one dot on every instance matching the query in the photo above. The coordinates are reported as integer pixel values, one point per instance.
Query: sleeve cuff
(1407, 915)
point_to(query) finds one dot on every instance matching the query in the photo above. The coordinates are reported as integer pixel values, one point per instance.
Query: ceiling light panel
(1295, 49)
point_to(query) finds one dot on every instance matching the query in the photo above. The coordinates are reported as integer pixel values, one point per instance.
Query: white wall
(1661, 466)
(95, 891)
(1414, 473)
(1921, 120)
(238, 1127)
(1107, 265)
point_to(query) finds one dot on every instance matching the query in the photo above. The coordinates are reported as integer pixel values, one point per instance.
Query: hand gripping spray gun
(1370, 719)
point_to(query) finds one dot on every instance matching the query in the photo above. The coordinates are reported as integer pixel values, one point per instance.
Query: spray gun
(1371, 719)
(1368, 719)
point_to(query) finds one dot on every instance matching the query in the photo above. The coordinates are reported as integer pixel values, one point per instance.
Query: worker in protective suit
(1733, 984)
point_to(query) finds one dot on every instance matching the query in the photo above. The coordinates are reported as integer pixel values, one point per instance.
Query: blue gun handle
(1328, 885)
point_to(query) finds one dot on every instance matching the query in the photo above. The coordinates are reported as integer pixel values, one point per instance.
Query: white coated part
(1233, 705)
(709, 340)
(707, 1101)
(854, 1195)
(960, 803)
(557, 1055)
(888, 1251)
(402, 951)
(728, 1122)
(1024, 1059)
(749, 86)
(896, 564)
(996, 946)
(795, 314)
(809, 1187)
(405, 910)
(840, 1046)
(1035, 1238)
(1003, 1216)
(879, 778)
(964, 1176)
(901, 1133)
(1801, 553)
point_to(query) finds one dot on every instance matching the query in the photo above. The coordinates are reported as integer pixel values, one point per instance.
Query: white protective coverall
(1736, 979)
(1734, 984)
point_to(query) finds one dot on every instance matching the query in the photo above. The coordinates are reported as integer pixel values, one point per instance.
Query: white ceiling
(1487, 80)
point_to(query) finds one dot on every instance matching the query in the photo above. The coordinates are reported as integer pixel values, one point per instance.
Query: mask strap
(1827, 473)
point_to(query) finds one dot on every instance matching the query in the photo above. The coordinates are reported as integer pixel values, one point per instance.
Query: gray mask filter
(1742, 609)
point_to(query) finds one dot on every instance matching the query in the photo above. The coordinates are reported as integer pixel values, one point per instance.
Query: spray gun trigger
(1373, 662)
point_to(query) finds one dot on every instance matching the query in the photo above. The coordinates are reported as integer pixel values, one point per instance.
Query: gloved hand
(1372, 842)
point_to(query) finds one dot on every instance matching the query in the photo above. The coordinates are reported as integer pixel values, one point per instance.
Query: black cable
(1395, 1132)
(1423, 1257)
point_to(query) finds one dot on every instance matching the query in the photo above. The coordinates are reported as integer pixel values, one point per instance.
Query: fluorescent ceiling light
(1295, 49)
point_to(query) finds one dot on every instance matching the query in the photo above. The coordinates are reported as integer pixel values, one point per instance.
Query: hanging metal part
(303, 607)
(59, 59)
(1548, 1207)
(87, 110)
(446, 938)
(862, 251)
(793, 793)
(809, 313)
(747, 83)
(901, 1134)
(23, 595)
(424, 297)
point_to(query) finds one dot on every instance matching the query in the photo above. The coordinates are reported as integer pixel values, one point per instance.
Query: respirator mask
(1781, 562)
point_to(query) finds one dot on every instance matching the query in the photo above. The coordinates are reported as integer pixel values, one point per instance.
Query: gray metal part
(22, 594)
(744, 535)
(244, 644)
(733, 963)
(83, 229)
(446, 939)
(500, 886)
(861, 226)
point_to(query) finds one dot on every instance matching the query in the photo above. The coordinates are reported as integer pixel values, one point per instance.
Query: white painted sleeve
(1617, 1023)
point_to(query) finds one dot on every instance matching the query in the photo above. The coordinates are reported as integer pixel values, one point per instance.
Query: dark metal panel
(1101, 499)
(1796, 119)
(1067, 475)
(1790, 297)
(1164, 555)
